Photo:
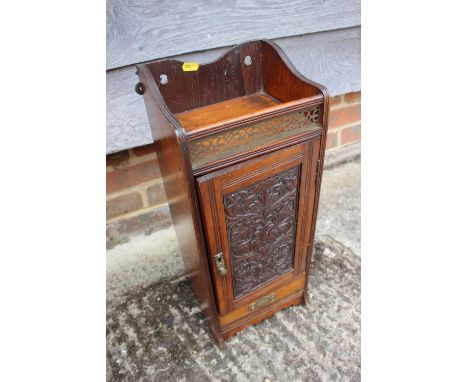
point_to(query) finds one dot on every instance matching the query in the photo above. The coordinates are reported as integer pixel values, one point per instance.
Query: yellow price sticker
(190, 67)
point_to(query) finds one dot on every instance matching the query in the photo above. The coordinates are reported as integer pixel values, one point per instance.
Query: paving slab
(159, 333)
(339, 212)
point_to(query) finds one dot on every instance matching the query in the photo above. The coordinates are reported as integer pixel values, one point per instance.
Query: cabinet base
(294, 299)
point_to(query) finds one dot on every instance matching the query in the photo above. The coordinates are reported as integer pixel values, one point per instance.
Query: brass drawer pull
(262, 301)
(219, 258)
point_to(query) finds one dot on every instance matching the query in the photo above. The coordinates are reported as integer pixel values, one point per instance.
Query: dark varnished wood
(224, 144)
(215, 190)
(224, 79)
(173, 159)
(257, 202)
(263, 248)
(218, 113)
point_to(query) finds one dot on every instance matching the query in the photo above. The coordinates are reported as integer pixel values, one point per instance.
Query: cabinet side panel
(321, 157)
(169, 148)
(280, 81)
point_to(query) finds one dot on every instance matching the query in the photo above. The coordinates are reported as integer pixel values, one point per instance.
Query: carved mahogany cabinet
(240, 144)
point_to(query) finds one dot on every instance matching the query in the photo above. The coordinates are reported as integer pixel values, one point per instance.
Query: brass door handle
(220, 265)
(262, 301)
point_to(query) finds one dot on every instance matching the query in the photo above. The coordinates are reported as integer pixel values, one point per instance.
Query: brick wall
(345, 120)
(136, 202)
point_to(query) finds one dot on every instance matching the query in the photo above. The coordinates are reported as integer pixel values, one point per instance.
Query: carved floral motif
(261, 226)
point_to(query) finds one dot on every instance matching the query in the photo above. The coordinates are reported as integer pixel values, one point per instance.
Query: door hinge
(220, 265)
(309, 252)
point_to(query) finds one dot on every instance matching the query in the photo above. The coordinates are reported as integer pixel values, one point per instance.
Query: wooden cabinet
(240, 144)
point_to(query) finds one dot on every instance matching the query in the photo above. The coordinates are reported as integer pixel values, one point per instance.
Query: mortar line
(133, 188)
(135, 213)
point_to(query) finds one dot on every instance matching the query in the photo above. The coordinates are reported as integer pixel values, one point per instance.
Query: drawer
(263, 302)
(233, 141)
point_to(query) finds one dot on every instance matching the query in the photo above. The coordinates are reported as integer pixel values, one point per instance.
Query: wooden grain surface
(331, 58)
(194, 119)
(270, 198)
(226, 78)
(230, 218)
(142, 30)
(173, 160)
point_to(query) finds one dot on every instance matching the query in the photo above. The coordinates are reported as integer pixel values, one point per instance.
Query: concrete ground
(339, 213)
(155, 331)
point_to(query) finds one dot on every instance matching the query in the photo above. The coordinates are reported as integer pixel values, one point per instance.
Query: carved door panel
(257, 216)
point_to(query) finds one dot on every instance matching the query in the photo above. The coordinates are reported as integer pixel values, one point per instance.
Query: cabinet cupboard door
(257, 218)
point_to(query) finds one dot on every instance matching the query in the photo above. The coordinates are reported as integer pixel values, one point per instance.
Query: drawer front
(262, 304)
(225, 144)
(257, 217)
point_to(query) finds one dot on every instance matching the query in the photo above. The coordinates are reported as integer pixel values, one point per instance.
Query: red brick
(150, 221)
(345, 116)
(156, 194)
(351, 134)
(130, 176)
(118, 159)
(123, 204)
(144, 150)
(332, 139)
(121, 230)
(352, 97)
(336, 100)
